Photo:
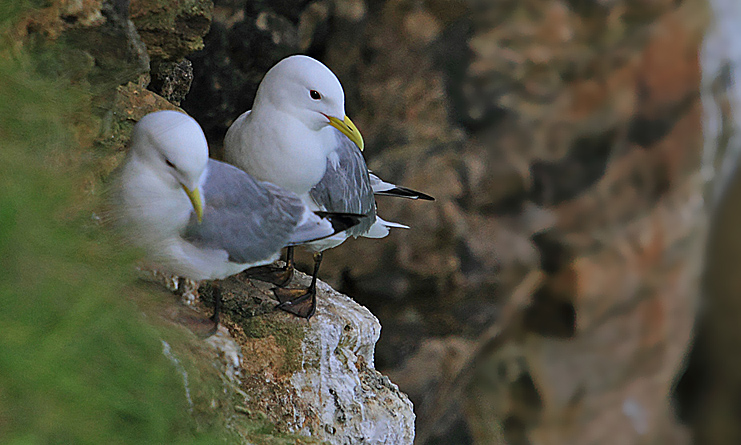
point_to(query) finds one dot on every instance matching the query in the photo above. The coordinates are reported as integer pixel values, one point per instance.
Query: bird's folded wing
(249, 221)
(346, 185)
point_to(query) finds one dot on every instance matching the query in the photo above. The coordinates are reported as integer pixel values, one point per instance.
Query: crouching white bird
(297, 136)
(203, 219)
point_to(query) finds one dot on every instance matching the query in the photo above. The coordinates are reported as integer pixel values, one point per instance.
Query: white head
(306, 89)
(174, 147)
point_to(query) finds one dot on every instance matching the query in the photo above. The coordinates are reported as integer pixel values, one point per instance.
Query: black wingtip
(341, 221)
(403, 192)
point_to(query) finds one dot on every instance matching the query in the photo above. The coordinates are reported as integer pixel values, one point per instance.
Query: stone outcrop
(314, 378)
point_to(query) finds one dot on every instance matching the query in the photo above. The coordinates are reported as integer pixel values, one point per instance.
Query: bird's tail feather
(381, 228)
(383, 188)
(320, 225)
(403, 192)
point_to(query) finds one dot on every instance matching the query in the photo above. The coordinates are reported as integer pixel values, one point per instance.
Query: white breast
(289, 155)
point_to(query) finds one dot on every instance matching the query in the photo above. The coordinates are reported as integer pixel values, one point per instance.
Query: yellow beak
(195, 199)
(348, 129)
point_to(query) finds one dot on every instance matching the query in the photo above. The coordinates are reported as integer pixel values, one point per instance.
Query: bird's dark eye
(169, 164)
(315, 94)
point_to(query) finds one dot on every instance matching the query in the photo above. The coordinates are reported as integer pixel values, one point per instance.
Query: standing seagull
(203, 219)
(297, 136)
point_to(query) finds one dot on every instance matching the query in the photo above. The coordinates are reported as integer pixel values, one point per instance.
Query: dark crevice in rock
(189, 25)
(220, 92)
(235, 57)
(290, 9)
(70, 19)
(555, 182)
(171, 80)
(587, 8)
(472, 104)
(550, 315)
(121, 7)
(399, 341)
(554, 255)
(504, 192)
(551, 312)
(469, 263)
(646, 131)
(691, 383)
(457, 433)
(528, 403)
(508, 205)
(515, 431)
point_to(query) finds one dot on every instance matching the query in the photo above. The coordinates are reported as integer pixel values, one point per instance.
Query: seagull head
(174, 147)
(309, 91)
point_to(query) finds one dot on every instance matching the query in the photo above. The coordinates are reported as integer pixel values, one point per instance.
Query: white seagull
(297, 136)
(203, 219)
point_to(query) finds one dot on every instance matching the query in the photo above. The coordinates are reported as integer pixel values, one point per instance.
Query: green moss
(173, 32)
(78, 361)
(81, 341)
(288, 334)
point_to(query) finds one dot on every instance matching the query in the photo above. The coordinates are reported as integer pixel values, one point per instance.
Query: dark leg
(300, 302)
(289, 267)
(217, 307)
(280, 276)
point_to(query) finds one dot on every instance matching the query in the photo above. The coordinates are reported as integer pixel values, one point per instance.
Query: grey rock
(172, 80)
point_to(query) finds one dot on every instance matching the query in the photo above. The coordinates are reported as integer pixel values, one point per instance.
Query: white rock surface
(721, 64)
(313, 378)
(355, 403)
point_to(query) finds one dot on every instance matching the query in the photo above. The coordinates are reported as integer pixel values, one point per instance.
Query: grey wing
(310, 226)
(346, 185)
(242, 216)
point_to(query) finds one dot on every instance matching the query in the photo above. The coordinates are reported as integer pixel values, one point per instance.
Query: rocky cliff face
(548, 295)
(265, 377)
(563, 256)
(576, 210)
(709, 388)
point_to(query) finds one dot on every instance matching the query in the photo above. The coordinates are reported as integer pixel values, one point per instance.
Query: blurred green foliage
(81, 340)
(78, 362)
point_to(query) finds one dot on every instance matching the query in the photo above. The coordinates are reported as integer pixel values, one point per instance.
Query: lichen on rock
(315, 377)
(171, 30)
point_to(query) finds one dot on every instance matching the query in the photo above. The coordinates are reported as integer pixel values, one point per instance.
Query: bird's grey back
(346, 186)
(249, 219)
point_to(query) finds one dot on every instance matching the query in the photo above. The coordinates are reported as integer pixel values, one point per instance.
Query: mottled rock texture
(171, 30)
(315, 378)
(562, 140)
(709, 391)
